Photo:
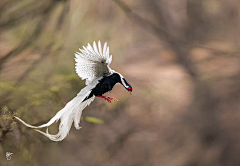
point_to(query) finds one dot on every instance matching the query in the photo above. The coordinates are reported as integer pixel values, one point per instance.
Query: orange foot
(109, 99)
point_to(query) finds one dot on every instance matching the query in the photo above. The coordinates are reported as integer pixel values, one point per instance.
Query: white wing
(92, 63)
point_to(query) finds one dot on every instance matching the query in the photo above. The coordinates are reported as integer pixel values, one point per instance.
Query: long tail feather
(66, 121)
(71, 112)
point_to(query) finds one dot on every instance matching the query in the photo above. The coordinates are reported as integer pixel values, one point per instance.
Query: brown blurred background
(180, 56)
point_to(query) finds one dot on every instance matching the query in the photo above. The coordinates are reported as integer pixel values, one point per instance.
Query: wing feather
(89, 47)
(104, 49)
(110, 59)
(92, 63)
(107, 53)
(95, 48)
(100, 48)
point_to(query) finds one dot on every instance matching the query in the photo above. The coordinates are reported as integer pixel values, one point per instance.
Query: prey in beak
(129, 89)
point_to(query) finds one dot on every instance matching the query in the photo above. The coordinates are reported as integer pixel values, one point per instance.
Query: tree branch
(163, 35)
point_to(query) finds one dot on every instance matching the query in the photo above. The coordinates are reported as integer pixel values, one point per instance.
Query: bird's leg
(109, 99)
(106, 98)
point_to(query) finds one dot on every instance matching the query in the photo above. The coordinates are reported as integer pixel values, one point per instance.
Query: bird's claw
(113, 99)
(109, 99)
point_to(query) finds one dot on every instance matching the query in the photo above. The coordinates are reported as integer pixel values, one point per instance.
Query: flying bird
(92, 64)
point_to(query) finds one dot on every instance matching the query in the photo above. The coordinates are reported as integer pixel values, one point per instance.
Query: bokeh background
(180, 56)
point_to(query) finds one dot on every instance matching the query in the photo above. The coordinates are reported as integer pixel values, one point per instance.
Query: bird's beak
(129, 90)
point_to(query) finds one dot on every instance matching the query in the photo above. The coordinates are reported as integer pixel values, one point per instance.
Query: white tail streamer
(70, 113)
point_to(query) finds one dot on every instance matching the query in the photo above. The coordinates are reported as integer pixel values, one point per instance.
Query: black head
(124, 83)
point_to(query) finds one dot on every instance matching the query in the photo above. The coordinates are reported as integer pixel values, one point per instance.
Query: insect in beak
(129, 90)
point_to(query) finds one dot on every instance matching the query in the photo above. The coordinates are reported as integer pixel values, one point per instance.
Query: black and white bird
(92, 64)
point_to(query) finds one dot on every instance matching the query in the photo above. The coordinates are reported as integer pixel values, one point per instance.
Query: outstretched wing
(93, 62)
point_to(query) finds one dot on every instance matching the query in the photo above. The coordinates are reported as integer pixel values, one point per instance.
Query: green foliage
(94, 120)
(5, 86)
(26, 154)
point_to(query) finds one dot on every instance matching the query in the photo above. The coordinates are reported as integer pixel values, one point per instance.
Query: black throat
(105, 85)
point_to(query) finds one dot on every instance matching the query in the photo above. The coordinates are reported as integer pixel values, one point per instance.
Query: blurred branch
(178, 45)
(34, 36)
(162, 34)
(31, 10)
(217, 51)
(32, 67)
(19, 81)
(4, 5)
(144, 23)
(63, 15)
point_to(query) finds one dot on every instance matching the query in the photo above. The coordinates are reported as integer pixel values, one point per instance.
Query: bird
(92, 65)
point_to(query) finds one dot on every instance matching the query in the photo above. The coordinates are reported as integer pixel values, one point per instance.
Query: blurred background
(180, 56)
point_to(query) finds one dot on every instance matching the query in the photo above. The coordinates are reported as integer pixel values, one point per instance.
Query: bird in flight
(92, 64)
